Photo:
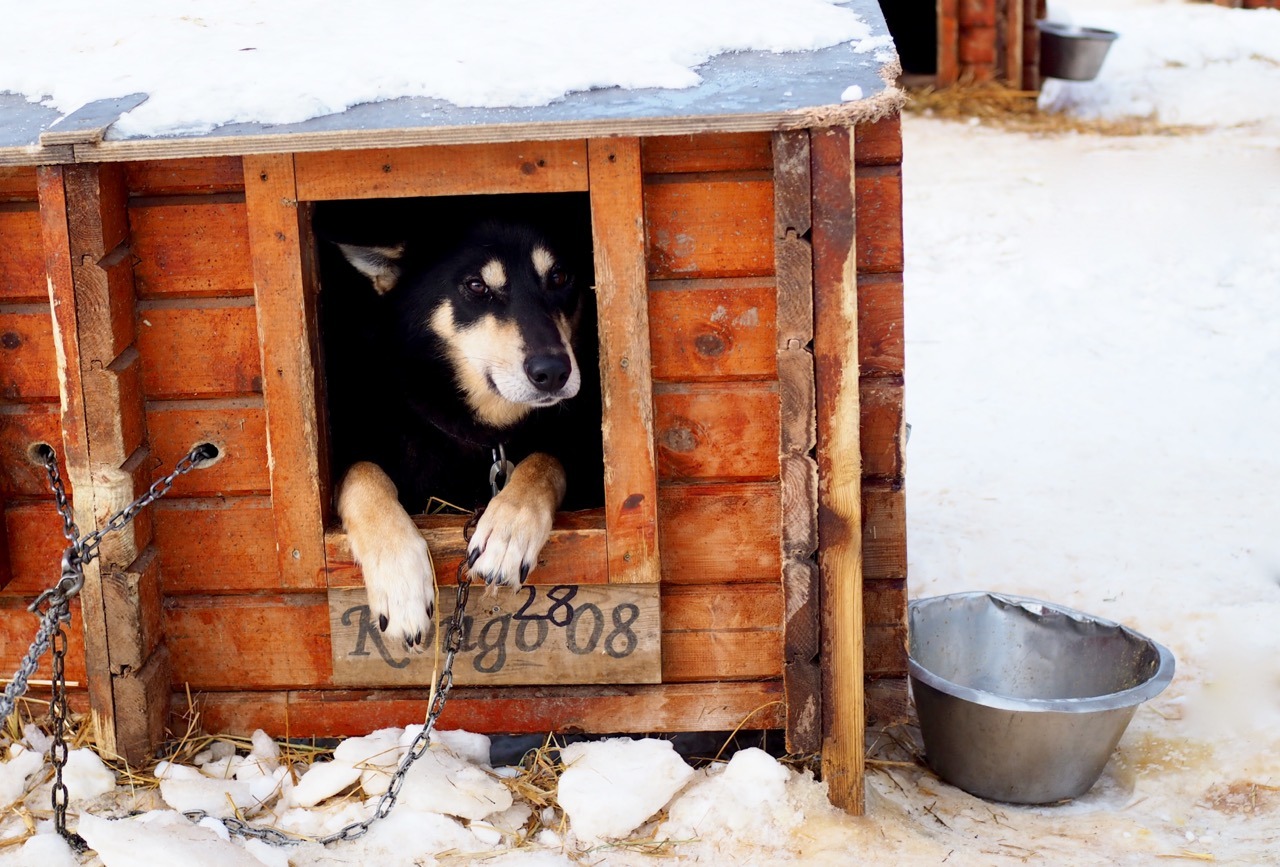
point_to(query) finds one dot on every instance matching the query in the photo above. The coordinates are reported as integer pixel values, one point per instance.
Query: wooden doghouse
(943, 42)
(749, 564)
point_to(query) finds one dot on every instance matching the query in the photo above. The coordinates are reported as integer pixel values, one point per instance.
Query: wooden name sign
(539, 634)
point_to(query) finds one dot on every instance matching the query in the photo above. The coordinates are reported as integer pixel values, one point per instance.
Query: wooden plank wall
(989, 40)
(878, 185)
(31, 541)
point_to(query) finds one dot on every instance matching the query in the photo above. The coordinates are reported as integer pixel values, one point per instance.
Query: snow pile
(609, 788)
(282, 62)
(1179, 63)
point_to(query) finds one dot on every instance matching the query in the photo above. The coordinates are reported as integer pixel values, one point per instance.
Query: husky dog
(439, 359)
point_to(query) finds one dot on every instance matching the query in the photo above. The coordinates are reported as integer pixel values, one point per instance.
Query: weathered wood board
(539, 634)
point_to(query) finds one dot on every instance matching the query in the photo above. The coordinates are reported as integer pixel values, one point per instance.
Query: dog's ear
(380, 264)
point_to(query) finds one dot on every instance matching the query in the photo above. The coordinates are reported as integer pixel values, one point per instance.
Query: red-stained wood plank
(199, 351)
(706, 152)
(709, 227)
(191, 246)
(725, 431)
(713, 330)
(630, 478)
(523, 710)
(288, 340)
(22, 265)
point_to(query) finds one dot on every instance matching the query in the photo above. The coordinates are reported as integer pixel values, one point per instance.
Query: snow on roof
(294, 74)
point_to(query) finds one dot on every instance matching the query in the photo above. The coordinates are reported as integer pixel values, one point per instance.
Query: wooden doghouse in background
(749, 564)
(942, 42)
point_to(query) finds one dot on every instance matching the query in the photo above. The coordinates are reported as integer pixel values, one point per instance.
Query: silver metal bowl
(1021, 700)
(1073, 53)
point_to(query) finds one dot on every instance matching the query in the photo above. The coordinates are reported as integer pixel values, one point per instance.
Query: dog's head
(502, 308)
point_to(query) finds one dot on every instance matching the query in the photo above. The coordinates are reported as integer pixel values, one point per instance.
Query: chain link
(58, 611)
(53, 607)
(421, 743)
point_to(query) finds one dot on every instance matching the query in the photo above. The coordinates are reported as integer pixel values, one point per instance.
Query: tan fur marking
(367, 497)
(481, 351)
(494, 274)
(542, 261)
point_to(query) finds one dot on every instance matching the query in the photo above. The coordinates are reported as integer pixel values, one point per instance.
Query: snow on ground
(1093, 330)
(1178, 62)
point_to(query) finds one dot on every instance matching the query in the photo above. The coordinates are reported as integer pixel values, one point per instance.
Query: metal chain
(439, 695)
(53, 606)
(58, 611)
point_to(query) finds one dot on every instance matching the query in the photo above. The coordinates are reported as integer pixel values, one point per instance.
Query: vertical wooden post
(948, 42)
(287, 337)
(801, 673)
(84, 223)
(835, 350)
(630, 469)
(1013, 32)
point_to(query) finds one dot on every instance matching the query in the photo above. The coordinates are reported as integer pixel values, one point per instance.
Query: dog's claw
(382, 622)
(473, 556)
(524, 571)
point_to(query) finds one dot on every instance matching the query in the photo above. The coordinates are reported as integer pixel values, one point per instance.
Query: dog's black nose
(548, 372)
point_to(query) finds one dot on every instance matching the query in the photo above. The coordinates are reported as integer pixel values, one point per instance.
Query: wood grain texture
(17, 184)
(707, 152)
(879, 203)
(238, 427)
(723, 431)
(630, 476)
(18, 625)
(199, 351)
(216, 545)
(888, 703)
(716, 332)
(883, 429)
(881, 341)
(34, 531)
(793, 222)
(879, 143)
(523, 710)
(839, 464)
(28, 363)
(576, 552)
(288, 341)
(718, 533)
(200, 176)
(709, 226)
(564, 634)
(233, 642)
(948, 42)
(884, 531)
(84, 228)
(22, 265)
(192, 247)
(443, 170)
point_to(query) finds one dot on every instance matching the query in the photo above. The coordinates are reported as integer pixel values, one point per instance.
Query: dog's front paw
(400, 583)
(509, 536)
(398, 575)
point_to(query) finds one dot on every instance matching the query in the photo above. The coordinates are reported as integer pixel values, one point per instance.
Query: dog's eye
(557, 277)
(475, 286)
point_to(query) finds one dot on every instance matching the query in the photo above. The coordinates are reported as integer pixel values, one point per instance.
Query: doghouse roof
(739, 92)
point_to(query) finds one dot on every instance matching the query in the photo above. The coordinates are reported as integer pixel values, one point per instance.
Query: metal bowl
(1021, 700)
(1073, 53)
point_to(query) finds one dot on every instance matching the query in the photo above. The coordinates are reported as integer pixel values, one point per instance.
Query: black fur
(393, 395)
